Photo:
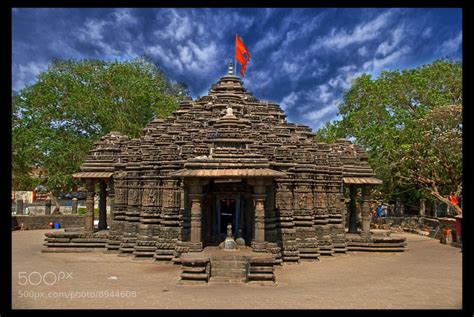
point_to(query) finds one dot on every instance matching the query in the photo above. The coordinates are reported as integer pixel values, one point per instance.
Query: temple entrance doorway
(228, 209)
(227, 202)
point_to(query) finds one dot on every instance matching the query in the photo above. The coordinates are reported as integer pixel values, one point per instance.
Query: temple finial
(231, 69)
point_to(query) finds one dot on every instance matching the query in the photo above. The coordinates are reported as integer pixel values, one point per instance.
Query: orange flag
(454, 201)
(240, 50)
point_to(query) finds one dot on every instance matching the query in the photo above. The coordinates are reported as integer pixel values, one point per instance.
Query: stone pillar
(47, 207)
(353, 209)
(89, 219)
(259, 197)
(111, 198)
(365, 212)
(422, 207)
(74, 206)
(19, 207)
(195, 217)
(195, 198)
(259, 202)
(102, 205)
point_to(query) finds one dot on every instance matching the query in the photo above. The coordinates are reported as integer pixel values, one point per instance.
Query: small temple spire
(231, 69)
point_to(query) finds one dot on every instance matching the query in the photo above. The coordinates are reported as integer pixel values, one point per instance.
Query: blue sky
(302, 59)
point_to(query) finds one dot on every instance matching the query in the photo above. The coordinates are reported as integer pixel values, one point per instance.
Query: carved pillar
(352, 209)
(195, 217)
(270, 217)
(259, 198)
(365, 212)
(259, 201)
(195, 198)
(102, 205)
(111, 197)
(89, 219)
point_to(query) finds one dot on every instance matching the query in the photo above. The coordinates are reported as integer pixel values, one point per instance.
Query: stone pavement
(428, 275)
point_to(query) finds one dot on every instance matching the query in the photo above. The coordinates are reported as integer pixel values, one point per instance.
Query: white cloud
(319, 114)
(27, 73)
(178, 28)
(290, 68)
(289, 101)
(322, 94)
(376, 64)
(124, 16)
(450, 46)
(319, 70)
(269, 39)
(338, 39)
(165, 56)
(258, 80)
(388, 46)
(347, 68)
(206, 54)
(185, 54)
(346, 74)
(427, 33)
(362, 51)
(93, 34)
(92, 31)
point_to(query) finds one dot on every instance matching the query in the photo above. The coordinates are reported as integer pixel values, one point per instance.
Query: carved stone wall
(300, 215)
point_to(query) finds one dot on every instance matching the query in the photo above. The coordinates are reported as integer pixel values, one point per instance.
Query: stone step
(194, 276)
(261, 269)
(380, 245)
(88, 240)
(226, 280)
(197, 269)
(228, 264)
(71, 250)
(261, 276)
(160, 257)
(228, 257)
(309, 256)
(159, 251)
(327, 253)
(375, 249)
(308, 250)
(74, 245)
(143, 253)
(234, 273)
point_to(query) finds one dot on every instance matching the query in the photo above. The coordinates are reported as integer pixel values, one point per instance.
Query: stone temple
(226, 158)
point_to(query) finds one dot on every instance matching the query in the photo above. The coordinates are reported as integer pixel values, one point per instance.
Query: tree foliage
(410, 123)
(56, 120)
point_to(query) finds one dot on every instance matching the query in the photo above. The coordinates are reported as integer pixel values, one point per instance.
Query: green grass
(82, 211)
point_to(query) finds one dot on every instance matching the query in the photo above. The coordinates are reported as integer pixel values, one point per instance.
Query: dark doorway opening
(227, 215)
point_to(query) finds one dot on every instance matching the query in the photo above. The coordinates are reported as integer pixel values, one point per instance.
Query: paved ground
(427, 276)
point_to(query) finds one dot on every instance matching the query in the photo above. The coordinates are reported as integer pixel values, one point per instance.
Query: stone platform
(378, 241)
(219, 265)
(75, 241)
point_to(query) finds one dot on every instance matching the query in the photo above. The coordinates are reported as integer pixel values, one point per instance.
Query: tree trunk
(435, 193)
(57, 206)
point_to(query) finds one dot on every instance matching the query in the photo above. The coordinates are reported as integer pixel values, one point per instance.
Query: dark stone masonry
(228, 158)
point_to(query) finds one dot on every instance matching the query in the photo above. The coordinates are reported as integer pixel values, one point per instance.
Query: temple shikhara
(227, 178)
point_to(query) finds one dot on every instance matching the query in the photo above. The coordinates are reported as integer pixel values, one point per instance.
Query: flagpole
(235, 60)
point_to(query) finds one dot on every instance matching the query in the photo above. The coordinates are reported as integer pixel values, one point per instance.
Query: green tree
(390, 117)
(56, 120)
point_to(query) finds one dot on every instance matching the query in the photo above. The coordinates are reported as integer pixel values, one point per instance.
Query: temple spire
(231, 69)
